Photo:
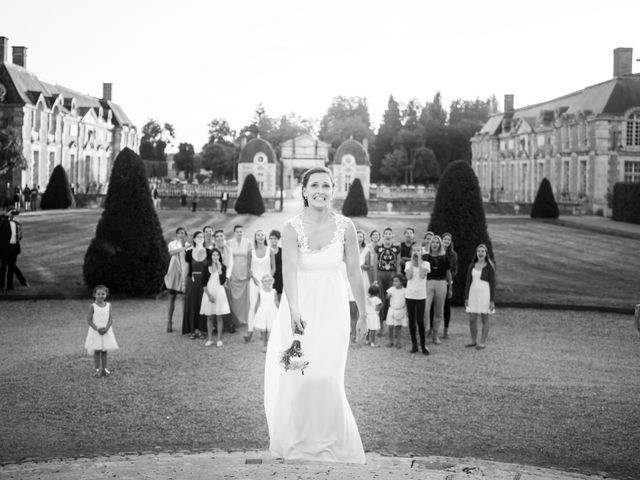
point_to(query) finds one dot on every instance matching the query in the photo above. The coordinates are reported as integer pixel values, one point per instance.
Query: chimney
(622, 61)
(4, 48)
(106, 91)
(508, 103)
(20, 56)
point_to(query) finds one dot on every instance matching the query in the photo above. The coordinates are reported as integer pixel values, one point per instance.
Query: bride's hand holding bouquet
(293, 357)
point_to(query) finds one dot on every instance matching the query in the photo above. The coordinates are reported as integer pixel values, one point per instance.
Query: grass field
(537, 262)
(554, 388)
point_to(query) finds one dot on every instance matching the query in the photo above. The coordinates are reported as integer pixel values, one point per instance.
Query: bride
(308, 415)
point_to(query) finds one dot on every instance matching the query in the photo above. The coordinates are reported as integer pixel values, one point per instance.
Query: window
(35, 168)
(633, 129)
(261, 181)
(632, 171)
(583, 177)
(565, 177)
(52, 162)
(524, 181)
(347, 182)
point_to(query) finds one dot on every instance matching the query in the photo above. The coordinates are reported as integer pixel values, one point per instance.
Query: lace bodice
(329, 256)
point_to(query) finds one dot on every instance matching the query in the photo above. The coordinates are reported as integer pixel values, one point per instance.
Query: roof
(611, 97)
(29, 87)
(256, 145)
(352, 147)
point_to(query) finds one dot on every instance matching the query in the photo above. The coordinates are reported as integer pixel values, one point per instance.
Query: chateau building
(351, 161)
(257, 157)
(583, 143)
(60, 126)
(299, 154)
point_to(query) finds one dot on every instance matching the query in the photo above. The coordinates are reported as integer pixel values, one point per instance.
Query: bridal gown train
(308, 415)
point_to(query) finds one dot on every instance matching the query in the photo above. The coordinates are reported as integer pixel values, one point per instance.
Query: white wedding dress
(308, 415)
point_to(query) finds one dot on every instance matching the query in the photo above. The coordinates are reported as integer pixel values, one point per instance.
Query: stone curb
(260, 465)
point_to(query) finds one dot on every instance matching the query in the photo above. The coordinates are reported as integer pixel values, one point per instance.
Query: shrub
(355, 205)
(625, 202)
(545, 206)
(58, 192)
(250, 199)
(128, 253)
(458, 210)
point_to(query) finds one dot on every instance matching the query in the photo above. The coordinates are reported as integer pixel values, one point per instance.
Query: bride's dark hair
(311, 171)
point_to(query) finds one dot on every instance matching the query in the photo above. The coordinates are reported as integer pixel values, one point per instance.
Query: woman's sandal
(470, 345)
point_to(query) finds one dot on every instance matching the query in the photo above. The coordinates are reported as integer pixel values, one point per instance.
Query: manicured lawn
(554, 388)
(537, 262)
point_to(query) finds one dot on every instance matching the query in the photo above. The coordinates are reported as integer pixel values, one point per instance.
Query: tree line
(413, 145)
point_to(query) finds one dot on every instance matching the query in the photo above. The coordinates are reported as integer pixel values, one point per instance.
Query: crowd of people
(228, 283)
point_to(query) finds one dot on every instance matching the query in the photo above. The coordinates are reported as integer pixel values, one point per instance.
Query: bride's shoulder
(342, 221)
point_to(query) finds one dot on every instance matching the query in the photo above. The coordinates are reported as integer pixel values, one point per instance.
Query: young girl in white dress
(100, 337)
(263, 262)
(266, 309)
(214, 299)
(479, 292)
(397, 313)
(373, 306)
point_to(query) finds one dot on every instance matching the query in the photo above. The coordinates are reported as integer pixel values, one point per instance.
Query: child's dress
(267, 310)
(397, 313)
(96, 342)
(373, 316)
(217, 291)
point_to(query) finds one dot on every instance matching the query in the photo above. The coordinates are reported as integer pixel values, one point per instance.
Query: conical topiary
(355, 205)
(128, 253)
(250, 199)
(458, 209)
(58, 192)
(545, 206)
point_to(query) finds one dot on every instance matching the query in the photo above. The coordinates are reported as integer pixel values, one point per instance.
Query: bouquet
(293, 357)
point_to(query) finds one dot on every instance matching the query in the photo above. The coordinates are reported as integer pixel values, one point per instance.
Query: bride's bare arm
(290, 274)
(354, 273)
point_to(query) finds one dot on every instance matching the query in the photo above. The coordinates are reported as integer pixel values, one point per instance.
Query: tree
(11, 155)
(155, 138)
(58, 192)
(426, 168)
(250, 200)
(433, 112)
(218, 158)
(436, 137)
(410, 137)
(128, 253)
(384, 140)
(394, 166)
(183, 160)
(458, 209)
(544, 205)
(346, 117)
(221, 132)
(355, 205)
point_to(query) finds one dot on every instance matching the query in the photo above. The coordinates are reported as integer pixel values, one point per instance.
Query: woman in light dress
(175, 277)
(240, 248)
(367, 261)
(308, 415)
(479, 295)
(263, 262)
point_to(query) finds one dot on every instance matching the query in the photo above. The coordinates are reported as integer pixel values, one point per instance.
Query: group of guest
(410, 285)
(226, 283)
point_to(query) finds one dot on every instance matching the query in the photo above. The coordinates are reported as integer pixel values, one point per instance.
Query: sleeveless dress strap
(303, 241)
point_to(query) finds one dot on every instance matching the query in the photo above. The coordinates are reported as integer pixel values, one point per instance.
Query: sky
(187, 62)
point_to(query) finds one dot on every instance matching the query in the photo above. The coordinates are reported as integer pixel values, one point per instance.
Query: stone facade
(351, 161)
(299, 154)
(258, 158)
(61, 127)
(583, 142)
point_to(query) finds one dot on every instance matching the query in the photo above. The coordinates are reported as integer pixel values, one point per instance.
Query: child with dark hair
(100, 337)
(397, 312)
(373, 306)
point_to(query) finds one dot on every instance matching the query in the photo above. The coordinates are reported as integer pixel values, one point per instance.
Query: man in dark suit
(10, 236)
(224, 201)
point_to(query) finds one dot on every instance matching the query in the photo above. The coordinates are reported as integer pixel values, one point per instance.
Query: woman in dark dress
(198, 259)
(274, 238)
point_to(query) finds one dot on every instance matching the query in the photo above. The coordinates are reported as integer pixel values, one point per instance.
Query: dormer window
(633, 129)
